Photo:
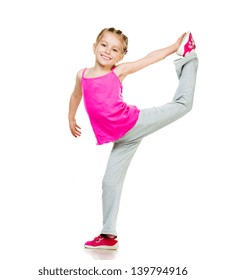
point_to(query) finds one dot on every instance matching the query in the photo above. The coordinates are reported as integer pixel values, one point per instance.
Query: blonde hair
(119, 33)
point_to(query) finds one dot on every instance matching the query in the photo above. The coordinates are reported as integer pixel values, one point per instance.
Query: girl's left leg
(149, 121)
(155, 118)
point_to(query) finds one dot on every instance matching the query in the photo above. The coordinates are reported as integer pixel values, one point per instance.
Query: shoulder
(121, 70)
(79, 74)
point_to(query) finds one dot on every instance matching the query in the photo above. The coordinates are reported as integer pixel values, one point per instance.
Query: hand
(75, 129)
(179, 40)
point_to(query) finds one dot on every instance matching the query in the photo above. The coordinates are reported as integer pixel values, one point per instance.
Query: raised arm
(75, 100)
(125, 69)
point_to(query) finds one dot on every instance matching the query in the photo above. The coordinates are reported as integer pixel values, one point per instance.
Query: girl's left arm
(128, 68)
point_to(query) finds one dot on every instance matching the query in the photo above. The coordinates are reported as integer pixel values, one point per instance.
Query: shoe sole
(115, 247)
(180, 50)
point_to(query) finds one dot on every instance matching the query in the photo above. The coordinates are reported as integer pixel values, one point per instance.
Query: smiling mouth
(105, 57)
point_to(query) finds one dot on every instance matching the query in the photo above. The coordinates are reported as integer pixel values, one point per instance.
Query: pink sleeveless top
(110, 117)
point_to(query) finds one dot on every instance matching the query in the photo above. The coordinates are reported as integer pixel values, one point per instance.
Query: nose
(107, 50)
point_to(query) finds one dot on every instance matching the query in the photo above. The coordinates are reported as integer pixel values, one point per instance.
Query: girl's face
(109, 50)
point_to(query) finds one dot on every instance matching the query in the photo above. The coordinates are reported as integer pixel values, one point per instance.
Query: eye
(115, 50)
(103, 45)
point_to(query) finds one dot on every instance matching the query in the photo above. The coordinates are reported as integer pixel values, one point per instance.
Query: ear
(94, 48)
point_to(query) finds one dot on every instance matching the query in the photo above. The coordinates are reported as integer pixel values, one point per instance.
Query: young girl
(114, 121)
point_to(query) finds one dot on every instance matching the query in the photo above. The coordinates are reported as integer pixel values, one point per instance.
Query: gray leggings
(149, 121)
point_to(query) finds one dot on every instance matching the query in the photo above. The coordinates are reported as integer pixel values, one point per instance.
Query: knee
(188, 107)
(185, 108)
(112, 181)
(108, 182)
(185, 105)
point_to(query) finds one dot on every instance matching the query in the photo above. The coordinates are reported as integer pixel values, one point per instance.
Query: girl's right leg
(118, 163)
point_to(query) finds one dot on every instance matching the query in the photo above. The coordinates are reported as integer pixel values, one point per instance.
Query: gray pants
(149, 121)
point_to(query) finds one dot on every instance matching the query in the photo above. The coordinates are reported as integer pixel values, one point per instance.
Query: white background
(173, 204)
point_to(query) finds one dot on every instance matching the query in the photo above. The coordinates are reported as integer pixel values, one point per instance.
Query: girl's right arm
(75, 100)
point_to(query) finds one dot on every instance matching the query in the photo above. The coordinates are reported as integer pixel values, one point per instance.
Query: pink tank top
(110, 117)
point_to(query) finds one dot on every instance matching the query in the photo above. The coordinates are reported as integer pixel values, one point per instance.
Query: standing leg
(118, 163)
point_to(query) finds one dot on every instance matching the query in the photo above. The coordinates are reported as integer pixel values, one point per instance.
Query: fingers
(77, 126)
(75, 129)
(179, 40)
(182, 36)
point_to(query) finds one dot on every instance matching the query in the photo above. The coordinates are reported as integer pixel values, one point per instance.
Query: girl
(115, 121)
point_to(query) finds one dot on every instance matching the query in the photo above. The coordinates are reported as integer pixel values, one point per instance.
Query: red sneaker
(187, 45)
(102, 242)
